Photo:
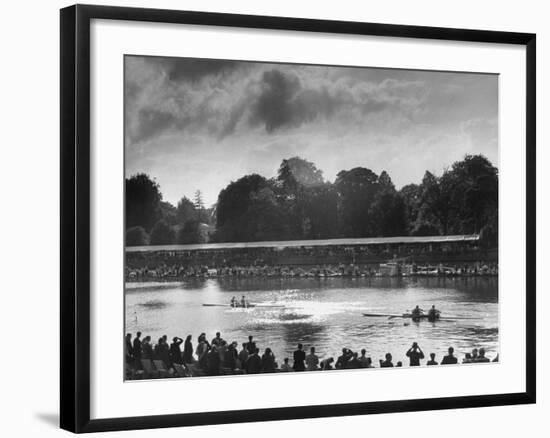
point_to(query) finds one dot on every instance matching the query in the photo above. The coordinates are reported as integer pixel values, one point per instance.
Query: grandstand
(374, 241)
(455, 249)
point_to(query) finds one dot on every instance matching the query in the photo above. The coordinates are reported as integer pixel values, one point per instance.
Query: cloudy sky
(199, 124)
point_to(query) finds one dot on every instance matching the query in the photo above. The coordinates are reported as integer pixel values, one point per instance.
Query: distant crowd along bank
(145, 360)
(399, 256)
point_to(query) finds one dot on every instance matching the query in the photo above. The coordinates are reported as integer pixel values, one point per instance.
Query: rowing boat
(228, 305)
(248, 306)
(414, 317)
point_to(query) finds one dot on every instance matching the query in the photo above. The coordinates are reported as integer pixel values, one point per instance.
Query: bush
(136, 236)
(162, 234)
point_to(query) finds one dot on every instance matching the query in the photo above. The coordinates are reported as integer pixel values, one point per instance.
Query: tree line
(299, 203)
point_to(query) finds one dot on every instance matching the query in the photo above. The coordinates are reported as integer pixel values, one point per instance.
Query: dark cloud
(274, 105)
(163, 96)
(287, 101)
(195, 69)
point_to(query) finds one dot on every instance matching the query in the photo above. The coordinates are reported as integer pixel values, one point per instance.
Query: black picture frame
(75, 216)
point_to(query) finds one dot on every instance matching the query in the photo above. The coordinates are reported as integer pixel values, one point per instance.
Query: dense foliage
(136, 236)
(300, 204)
(162, 233)
(143, 199)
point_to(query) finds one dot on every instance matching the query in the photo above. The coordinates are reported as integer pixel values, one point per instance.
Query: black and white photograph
(296, 218)
(276, 219)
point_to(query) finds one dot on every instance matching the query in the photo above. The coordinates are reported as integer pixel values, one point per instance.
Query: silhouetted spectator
(481, 357)
(175, 351)
(268, 361)
(415, 354)
(326, 364)
(354, 362)
(128, 349)
(251, 345)
(136, 348)
(147, 348)
(363, 359)
(343, 358)
(449, 359)
(312, 361)
(231, 356)
(213, 362)
(188, 350)
(286, 366)
(243, 356)
(162, 352)
(217, 340)
(299, 358)
(386, 363)
(254, 363)
(432, 360)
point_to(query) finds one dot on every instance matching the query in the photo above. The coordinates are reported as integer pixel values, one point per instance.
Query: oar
(382, 315)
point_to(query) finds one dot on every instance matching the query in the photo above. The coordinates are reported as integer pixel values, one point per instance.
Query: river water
(325, 313)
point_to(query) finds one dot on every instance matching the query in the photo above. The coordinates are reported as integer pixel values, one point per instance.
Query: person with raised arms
(415, 354)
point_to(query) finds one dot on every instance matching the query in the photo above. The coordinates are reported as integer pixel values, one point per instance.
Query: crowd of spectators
(441, 258)
(220, 357)
(164, 271)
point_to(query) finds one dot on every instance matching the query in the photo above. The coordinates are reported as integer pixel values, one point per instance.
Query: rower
(243, 302)
(234, 302)
(433, 314)
(417, 313)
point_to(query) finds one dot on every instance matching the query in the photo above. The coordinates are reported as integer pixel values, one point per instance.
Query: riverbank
(178, 273)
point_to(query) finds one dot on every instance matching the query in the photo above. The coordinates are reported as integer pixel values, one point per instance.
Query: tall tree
(475, 193)
(168, 212)
(320, 210)
(247, 210)
(295, 173)
(411, 194)
(436, 206)
(356, 189)
(143, 199)
(385, 181)
(463, 200)
(297, 180)
(185, 211)
(387, 211)
(199, 205)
